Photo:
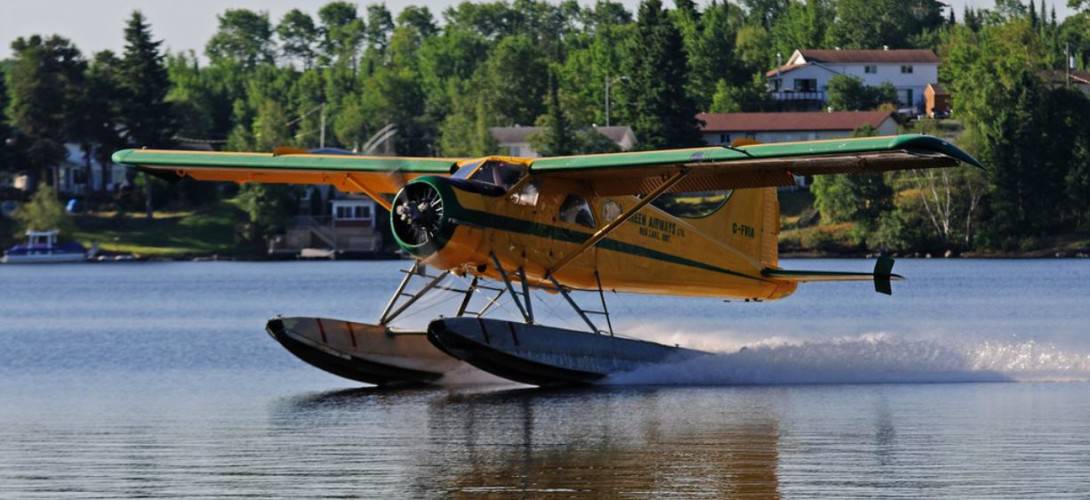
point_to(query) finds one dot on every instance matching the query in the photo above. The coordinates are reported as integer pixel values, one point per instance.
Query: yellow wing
(376, 176)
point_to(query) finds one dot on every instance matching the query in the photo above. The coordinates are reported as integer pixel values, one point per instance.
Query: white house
(515, 141)
(725, 128)
(72, 174)
(806, 75)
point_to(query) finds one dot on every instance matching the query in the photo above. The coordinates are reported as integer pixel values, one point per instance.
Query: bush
(44, 212)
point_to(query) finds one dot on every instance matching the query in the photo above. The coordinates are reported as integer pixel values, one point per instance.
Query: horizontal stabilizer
(882, 275)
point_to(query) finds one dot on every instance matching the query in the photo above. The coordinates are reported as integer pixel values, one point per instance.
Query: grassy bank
(207, 231)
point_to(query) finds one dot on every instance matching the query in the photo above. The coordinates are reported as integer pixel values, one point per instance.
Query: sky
(95, 25)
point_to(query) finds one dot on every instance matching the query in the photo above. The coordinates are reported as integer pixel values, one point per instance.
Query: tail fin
(750, 222)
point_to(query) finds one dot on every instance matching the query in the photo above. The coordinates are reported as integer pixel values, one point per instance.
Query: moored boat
(42, 247)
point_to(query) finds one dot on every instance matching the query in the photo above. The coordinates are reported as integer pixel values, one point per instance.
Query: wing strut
(621, 219)
(387, 204)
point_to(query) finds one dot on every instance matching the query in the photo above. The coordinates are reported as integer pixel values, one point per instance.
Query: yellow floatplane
(700, 222)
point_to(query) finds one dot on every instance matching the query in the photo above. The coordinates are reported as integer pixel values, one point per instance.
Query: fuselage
(530, 224)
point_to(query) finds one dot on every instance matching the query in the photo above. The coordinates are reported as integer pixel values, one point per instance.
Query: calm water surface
(156, 379)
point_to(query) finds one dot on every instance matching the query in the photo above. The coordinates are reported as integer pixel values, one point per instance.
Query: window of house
(870, 69)
(724, 138)
(777, 84)
(353, 212)
(576, 210)
(905, 96)
(805, 85)
(906, 68)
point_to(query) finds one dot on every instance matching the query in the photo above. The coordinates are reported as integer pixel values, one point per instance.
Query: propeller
(418, 214)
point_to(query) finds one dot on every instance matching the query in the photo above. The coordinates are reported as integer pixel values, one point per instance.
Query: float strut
(510, 289)
(578, 310)
(469, 295)
(602, 295)
(386, 318)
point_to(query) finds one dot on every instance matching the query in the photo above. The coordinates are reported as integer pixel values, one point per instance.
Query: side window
(527, 195)
(693, 205)
(610, 210)
(576, 210)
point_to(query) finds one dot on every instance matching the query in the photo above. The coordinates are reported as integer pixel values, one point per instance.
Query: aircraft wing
(376, 176)
(758, 165)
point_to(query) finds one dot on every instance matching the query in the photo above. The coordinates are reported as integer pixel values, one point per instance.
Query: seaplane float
(699, 222)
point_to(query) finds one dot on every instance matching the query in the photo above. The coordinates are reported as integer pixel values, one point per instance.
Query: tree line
(443, 81)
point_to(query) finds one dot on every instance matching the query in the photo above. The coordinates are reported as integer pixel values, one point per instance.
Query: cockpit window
(464, 171)
(576, 210)
(693, 205)
(493, 172)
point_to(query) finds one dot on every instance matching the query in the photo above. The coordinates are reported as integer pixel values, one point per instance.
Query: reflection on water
(157, 380)
(591, 442)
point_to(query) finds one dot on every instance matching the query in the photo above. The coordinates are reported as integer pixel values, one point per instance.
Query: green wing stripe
(347, 163)
(912, 142)
(667, 157)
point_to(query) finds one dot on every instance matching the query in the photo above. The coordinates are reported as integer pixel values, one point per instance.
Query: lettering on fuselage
(656, 228)
(743, 230)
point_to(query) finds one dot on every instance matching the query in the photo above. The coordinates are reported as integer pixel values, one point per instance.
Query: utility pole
(321, 137)
(1067, 65)
(609, 83)
(607, 100)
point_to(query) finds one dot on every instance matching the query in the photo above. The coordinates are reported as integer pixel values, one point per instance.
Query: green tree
(804, 24)
(342, 33)
(298, 37)
(419, 19)
(44, 212)
(393, 96)
(710, 50)
(654, 101)
(146, 117)
(98, 113)
(746, 97)
(557, 138)
(8, 142)
(268, 208)
(853, 198)
(380, 24)
(243, 36)
(271, 128)
(870, 24)
(1024, 131)
(513, 81)
(45, 78)
(764, 13)
(849, 93)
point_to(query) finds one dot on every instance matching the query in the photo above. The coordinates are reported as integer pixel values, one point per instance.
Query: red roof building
(724, 128)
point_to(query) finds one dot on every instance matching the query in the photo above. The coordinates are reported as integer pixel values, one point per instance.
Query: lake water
(157, 379)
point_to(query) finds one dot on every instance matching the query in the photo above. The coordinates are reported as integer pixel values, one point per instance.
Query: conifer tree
(146, 116)
(655, 103)
(557, 139)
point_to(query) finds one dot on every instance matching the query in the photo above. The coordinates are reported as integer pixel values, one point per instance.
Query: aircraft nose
(417, 218)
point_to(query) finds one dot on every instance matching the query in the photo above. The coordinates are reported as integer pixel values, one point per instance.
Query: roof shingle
(810, 120)
(870, 55)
